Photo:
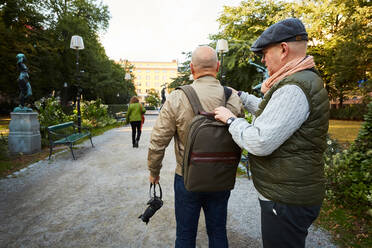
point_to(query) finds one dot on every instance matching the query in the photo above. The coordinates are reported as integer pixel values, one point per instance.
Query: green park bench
(66, 134)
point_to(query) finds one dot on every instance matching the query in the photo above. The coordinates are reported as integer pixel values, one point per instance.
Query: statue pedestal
(24, 133)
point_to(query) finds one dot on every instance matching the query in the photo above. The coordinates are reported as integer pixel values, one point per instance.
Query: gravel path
(95, 201)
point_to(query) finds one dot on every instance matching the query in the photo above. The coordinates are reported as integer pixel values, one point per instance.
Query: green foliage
(115, 108)
(3, 147)
(42, 30)
(50, 113)
(349, 178)
(184, 73)
(339, 33)
(95, 114)
(349, 112)
(153, 98)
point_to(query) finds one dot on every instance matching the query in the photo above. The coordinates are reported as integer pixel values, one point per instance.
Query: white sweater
(284, 114)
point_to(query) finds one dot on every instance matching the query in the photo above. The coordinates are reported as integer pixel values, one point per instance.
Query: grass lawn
(4, 123)
(344, 131)
(348, 228)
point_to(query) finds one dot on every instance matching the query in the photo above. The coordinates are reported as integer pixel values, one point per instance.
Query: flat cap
(291, 29)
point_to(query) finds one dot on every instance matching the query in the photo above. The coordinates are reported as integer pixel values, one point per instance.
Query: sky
(160, 30)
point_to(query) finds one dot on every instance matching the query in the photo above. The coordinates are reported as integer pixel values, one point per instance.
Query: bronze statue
(163, 98)
(23, 83)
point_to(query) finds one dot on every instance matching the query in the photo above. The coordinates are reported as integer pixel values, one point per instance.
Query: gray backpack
(211, 155)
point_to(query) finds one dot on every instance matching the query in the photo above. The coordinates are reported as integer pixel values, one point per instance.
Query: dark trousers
(285, 225)
(188, 205)
(136, 125)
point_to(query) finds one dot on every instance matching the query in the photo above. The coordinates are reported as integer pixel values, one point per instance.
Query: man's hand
(154, 180)
(222, 114)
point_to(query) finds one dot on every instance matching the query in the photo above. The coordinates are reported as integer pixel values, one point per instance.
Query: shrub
(50, 113)
(3, 147)
(150, 107)
(349, 112)
(115, 108)
(94, 114)
(349, 173)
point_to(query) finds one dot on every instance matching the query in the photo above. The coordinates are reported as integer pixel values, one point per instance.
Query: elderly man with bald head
(172, 122)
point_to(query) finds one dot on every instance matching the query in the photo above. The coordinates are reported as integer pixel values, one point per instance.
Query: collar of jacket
(207, 79)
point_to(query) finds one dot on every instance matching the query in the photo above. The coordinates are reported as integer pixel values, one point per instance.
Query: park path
(95, 201)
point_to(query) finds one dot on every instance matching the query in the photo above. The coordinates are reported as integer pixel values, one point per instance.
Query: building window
(139, 77)
(147, 84)
(139, 91)
(148, 77)
(139, 70)
(156, 77)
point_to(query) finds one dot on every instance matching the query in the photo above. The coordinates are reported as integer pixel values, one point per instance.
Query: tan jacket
(175, 116)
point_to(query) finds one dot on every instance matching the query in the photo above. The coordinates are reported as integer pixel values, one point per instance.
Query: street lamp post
(127, 77)
(77, 44)
(65, 85)
(222, 47)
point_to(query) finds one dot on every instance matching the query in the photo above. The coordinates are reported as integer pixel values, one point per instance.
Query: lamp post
(222, 47)
(77, 44)
(65, 85)
(127, 77)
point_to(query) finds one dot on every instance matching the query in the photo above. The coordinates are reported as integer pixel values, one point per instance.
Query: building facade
(152, 75)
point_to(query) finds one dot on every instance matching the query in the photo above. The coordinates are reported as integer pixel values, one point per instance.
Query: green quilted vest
(294, 173)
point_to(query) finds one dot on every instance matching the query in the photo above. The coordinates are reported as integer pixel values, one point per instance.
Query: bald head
(204, 57)
(204, 62)
(297, 49)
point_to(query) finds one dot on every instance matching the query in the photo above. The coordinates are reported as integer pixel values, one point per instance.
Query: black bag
(211, 156)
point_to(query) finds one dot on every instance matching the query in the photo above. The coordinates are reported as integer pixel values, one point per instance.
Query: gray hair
(204, 57)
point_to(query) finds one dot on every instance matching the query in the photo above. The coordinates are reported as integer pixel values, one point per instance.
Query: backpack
(211, 156)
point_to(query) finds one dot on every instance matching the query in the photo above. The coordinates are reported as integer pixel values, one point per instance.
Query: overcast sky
(160, 30)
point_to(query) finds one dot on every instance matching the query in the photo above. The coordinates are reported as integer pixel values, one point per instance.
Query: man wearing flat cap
(287, 137)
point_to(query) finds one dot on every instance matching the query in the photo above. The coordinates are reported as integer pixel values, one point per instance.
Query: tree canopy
(42, 30)
(339, 39)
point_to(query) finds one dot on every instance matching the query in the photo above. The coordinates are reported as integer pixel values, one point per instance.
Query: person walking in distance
(172, 122)
(287, 137)
(134, 117)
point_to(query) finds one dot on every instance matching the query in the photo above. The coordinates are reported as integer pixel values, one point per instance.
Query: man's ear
(218, 66)
(285, 49)
(192, 68)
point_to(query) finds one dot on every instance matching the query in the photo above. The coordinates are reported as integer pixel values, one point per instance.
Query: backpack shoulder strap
(228, 93)
(192, 97)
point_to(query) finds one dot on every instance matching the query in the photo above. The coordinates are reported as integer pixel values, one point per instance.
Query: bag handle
(161, 193)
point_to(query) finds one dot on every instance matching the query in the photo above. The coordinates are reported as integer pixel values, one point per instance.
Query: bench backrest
(61, 126)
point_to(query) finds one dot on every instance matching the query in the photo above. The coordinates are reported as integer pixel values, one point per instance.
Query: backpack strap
(192, 97)
(228, 93)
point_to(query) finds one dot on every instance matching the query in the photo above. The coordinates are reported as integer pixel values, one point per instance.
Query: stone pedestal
(24, 133)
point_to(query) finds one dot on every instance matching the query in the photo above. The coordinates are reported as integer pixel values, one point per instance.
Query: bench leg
(90, 137)
(72, 152)
(50, 151)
